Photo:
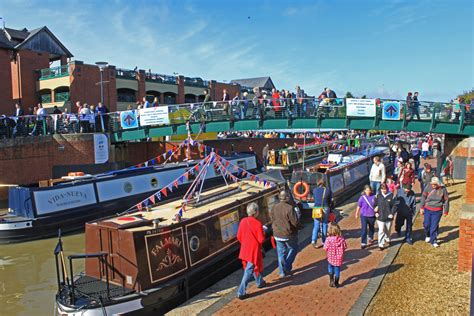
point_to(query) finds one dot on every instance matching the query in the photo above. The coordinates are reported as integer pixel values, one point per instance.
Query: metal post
(101, 86)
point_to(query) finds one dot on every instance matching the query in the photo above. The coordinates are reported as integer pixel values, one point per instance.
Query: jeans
(430, 223)
(248, 273)
(375, 185)
(384, 231)
(286, 251)
(334, 269)
(317, 223)
(417, 163)
(367, 221)
(401, 218)
(425, 154)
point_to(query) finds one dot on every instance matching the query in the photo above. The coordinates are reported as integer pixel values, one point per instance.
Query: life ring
(297, 187)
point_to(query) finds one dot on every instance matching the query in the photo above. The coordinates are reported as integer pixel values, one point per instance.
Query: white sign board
(56, 200)
(360, 107)
(154, 116)
(101, 148)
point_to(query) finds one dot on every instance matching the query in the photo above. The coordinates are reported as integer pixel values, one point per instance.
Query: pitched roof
(5, 42)
(19, 38)
(260, 82)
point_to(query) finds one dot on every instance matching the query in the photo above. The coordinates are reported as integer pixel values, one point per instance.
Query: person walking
(425, 149)
(416, 154)
(426, 175)
(434, 203)
(251, 237)
(377, 174)
(409, 102)
(448, 171)
(335, 246)
(407, 175)
(365, 207)
(323, 202)
(384, 208)
(406, 207)
(265, 151)
(284, 222)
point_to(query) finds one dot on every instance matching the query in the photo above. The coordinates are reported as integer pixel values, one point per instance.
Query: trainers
(262, 285)
(435, 245)
(427, 239)
(362, 246)
(409, 241)
(314, 245)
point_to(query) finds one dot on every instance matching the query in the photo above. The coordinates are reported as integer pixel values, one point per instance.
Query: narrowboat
(148, 262)
(344, 175)
(288, 160)
(38, 211)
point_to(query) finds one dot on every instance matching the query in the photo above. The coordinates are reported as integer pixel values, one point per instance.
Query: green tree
(363, 97)
(349, 95)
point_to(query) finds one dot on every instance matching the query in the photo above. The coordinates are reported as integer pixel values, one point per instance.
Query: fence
(236, 110)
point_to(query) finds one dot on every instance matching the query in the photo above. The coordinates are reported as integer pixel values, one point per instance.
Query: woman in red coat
(251, 238)
(407, 175)
(276, 102)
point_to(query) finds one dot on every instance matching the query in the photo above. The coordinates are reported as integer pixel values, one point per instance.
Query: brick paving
(307, 291)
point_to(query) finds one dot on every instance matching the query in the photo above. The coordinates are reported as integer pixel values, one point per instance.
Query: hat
(435, 180)
(282, 195)
(427, 166)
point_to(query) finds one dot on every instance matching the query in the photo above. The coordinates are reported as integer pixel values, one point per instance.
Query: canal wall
(27, 160)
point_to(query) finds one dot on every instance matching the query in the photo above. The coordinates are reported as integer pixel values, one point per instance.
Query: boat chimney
(156, 223)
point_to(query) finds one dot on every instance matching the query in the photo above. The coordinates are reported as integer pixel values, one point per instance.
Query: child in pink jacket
(335, 245)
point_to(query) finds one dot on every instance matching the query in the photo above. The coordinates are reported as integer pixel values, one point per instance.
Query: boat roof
(165, 213)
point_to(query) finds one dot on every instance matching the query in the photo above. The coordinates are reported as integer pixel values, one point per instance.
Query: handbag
(318, 212)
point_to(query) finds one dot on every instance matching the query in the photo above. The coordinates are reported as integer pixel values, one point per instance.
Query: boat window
(292, 157)
(336, 182)
(242, 164)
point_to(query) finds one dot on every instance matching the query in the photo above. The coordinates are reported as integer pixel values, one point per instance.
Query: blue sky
(377, 48)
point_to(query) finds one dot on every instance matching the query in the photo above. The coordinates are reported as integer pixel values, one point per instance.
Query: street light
(101, 65)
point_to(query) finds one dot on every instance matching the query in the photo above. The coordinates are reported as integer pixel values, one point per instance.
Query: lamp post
(101, 65)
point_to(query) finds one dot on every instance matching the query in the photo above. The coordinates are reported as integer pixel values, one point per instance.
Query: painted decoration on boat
(165, 254)
(229, 225)
(50, 201)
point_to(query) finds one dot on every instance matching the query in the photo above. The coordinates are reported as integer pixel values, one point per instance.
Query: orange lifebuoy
(296, 188)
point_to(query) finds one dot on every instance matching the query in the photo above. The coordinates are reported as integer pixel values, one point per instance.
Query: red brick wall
(141, 85)
(6, 102)
(85, 88)
(217, 87)
(30, 159)
(466, 240)
(29, 62)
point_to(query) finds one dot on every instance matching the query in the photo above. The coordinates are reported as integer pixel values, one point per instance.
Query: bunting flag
(175, 183)
(146, 202)
(139, 207)
(152, 199)
(180, 212)
(158, 195)
(164, 192)
(170, 187)
(146, 163)
(186, 175)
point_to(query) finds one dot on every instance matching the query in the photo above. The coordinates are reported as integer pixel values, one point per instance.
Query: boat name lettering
(169, 258)
(70, 194)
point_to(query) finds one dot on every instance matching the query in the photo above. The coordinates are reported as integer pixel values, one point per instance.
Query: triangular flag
(244, 173)
(152, 199)
(139, 206)
(165, 193)
(170, 187)
(146, 202)
(175, 183)
(227, 163)
(186, 175)
(180, 212)
(158, 196)
(146, 163)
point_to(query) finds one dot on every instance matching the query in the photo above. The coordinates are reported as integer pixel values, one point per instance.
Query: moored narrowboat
(38, 210)
(344, 175)
(148, 262)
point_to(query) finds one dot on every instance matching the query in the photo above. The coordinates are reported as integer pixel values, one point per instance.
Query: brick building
(28, 78)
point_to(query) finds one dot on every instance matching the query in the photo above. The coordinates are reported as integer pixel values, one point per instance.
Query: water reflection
(28, 275)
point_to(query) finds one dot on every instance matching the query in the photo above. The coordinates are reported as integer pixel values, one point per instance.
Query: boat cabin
(145, 248)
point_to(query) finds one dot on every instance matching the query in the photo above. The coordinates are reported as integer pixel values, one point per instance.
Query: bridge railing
(234, 110)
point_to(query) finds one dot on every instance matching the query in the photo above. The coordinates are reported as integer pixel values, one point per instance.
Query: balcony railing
(61, 96)
(153, 77)
(46, 98)
(196, 82)
(126, 74)
(56, 72)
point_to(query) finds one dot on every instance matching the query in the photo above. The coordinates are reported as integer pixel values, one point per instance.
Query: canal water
(28, 275)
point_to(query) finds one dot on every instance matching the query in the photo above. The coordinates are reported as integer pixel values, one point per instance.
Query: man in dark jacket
(405, 210)
(284, 222)
(385, 208)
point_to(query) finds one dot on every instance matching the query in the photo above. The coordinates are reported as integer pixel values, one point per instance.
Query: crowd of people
(36, 121)
(388, 199)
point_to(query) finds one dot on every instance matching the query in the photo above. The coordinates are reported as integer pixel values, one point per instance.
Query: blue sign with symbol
(391, 111)
(128, 119)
